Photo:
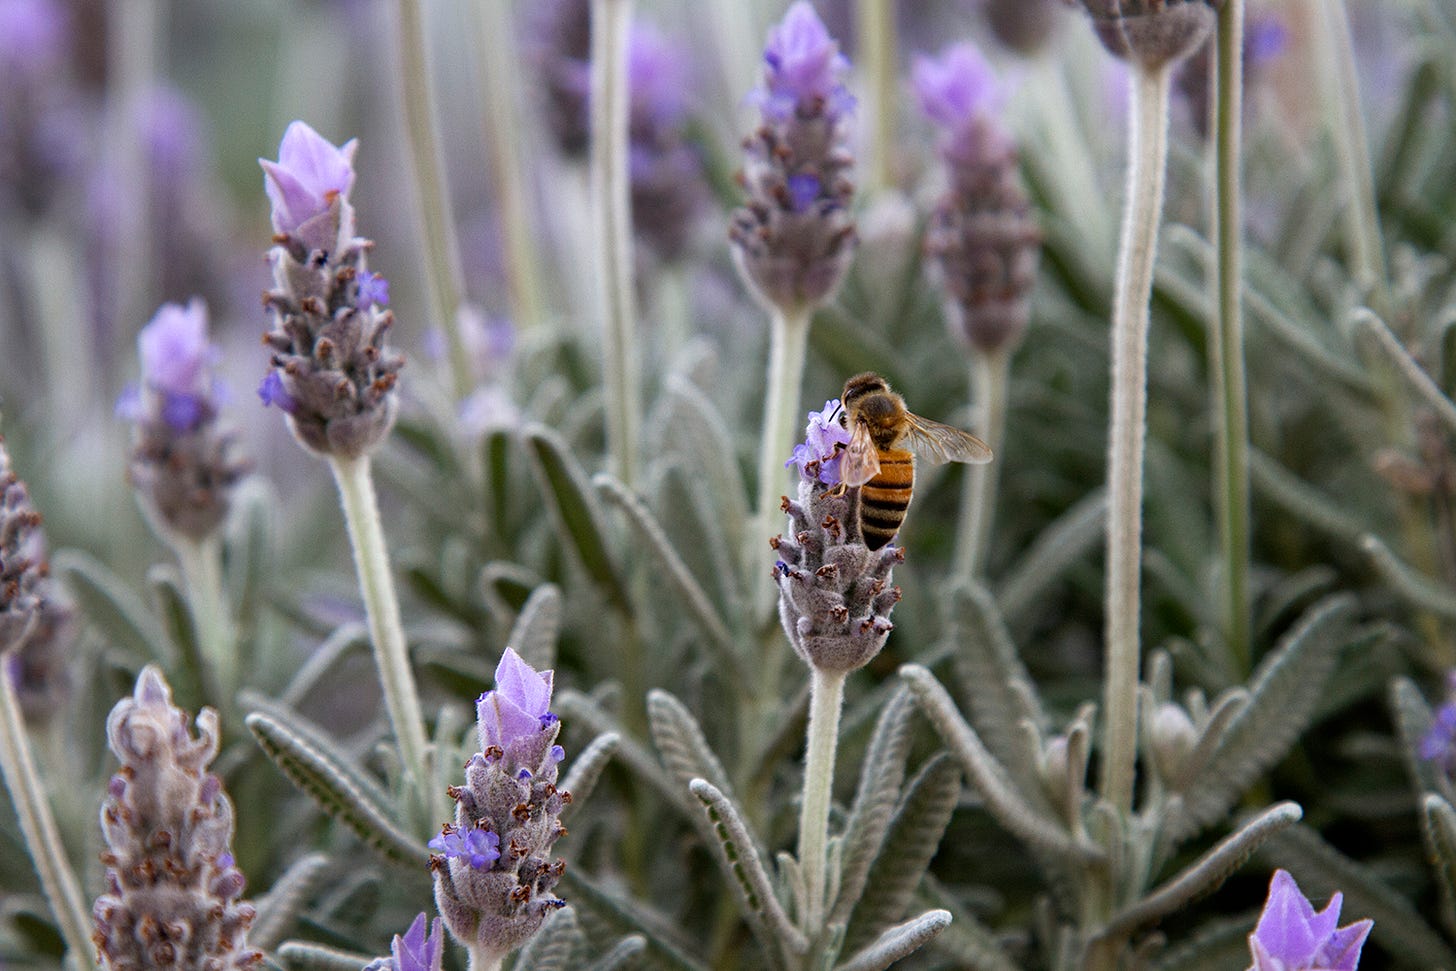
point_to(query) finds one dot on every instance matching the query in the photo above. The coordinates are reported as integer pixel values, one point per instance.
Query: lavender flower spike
(1151, 33)
(22, 560)
(494, 873)
(173, 894)
(1292, 936)
(794, 235)
(332, 373)
(982, 242)
(668, 189)
(835, 595)
(414, 951)
(182, 465)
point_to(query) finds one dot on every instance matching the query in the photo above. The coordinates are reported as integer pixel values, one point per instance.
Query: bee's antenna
(838, 410)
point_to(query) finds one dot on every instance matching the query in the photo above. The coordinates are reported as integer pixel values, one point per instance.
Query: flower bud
(173, 890)
(1151, 33)
(494, 873)
(794, 236)
(1173, 736)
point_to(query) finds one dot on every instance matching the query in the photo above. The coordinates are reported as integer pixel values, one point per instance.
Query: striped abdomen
(884, 499)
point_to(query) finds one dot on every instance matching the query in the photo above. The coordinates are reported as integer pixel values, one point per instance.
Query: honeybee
(884, 438)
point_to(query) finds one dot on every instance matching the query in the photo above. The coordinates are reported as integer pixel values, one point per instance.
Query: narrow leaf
(696, 430)
(301, 956)
(1302, 500)
(1414, 374)
(677, 735)
(331, 788)
(1417, 588)
(334, 648)
(1207, 873)
(675, 572)
(914, 835)
(990, 674)
(574, 507)
(1438, 829)
(1217, 945)
(117, 612)
(1286, 692)
(880, 778)
(551, 947)
(1003, 800)
(587, 768)
(630, 917)
(623, 955)
(1322, 870)
(738, 853)
(194, 681)
(319, 739)
(578, 709)
(1412, 720)
(249, 551)
(1070, 538)
(899, 941)
(281, 905)
(973, 945)
(537, 627)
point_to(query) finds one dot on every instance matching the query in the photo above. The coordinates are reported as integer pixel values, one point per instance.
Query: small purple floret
(373, 290)
(1293, 936)
(272, 392)
(175, 352)
(819, 454)
(804, 188)
(805, 66)
(961, 94)
(417, 952)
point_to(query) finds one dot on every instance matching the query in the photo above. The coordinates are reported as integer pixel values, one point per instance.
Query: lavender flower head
(23, 570)
(982, 243)
(182, 465)
(331, 373)
(835, 595)
(173, 892)
(41, 130)
(414, 951)
(794, 236)
(1025, 26)
(666, 173)
(1292, 936)
(494, 873)
(1152, 33)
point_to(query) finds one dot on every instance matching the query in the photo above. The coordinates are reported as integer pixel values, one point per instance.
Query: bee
(884, 438)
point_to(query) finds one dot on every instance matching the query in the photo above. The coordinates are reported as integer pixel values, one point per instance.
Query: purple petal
(174, 350)
(1284, 929)
(522, 684)
(1342, 951)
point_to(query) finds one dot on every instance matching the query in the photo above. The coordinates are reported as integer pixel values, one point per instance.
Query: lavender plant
(788, 750)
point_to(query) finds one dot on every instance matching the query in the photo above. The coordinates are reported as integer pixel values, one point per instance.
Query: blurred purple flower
(668, 188)
(1292, 936)
(518, 707)
(309, 174)
(824, 440)
(272, 392)
(33, 36)
(658, 76)
(805, 68)
(961, 93)
(175, 353)
(1266, 37)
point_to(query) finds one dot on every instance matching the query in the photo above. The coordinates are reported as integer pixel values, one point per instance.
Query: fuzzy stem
(1147, 157)
(483, 959)
(612, 229)
(38, 824)
(1352, 149)
(990, 374)
(826, 697)
(788, 343)
(1226, 348)
(500, 67)
(386, 632)
(875, 27)
(201, 562)
(437, 222)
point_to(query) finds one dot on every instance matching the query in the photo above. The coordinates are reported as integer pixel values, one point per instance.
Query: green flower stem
(990, 375)
(437, 222)
(826, 697)
(386, 632)
(1352, 149)
(38, 824)
(1226, 348)
(501, 66)
(612, 230)
(876, 27)
(201, 562)
(1147, 158)
(788, 344)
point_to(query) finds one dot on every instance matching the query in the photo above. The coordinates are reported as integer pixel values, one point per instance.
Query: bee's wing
(943, 443)
(861, 460)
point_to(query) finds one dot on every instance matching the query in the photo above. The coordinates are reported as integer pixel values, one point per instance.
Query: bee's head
(860, 385)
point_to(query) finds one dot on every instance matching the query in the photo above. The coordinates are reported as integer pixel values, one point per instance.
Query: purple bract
(309, 174)
(1293, 936)
(824, 439)
(518, 707)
